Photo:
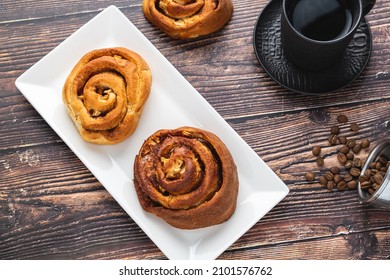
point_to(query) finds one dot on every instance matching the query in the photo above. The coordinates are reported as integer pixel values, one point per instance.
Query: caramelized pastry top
(187, 177)
(105, 94)
(184, 19)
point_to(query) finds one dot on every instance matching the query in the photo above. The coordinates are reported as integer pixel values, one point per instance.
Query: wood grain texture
(52, 207)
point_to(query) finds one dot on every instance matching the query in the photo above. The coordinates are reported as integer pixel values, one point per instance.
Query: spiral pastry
(184, 19)
(187, 177)
(105, 94)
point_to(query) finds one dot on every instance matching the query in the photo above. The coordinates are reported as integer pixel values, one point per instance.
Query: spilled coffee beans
(346, 176)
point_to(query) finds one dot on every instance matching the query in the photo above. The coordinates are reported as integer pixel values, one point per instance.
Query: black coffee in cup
(321, 20)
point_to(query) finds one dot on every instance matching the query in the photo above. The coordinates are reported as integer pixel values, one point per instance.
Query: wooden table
(52, 207)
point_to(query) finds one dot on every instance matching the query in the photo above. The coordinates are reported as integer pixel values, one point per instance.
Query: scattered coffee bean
(323, 180)
(356, 149)
(355, 172)
(344, 150)
(332, 139)
(320, 161)
(335, 170)
(351, 143)
(310, 176)
(357, 162)
(335, 129)
(342, 139)
(354, 127)
(330, 185)
(350, 156)
(348, 164)
(352, 185)
(348, 177)
(342, 158)
(342, 185)
(337, 178)
(329, 176)
(365, 143)
(342, 118)
(316, 151)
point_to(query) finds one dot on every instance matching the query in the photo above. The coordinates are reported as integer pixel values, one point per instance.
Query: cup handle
(367, 5)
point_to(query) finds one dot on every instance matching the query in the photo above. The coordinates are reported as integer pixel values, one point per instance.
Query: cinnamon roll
(187, 177)
(105, 94)
(184, 19)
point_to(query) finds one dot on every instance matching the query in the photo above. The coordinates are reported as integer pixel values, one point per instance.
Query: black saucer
(269, 52)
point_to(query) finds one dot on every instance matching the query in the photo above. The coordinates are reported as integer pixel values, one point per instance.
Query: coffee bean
(329, 176)
(337, 178)
(354, 127)
(382, 160)
(332, 139)
(342, 185)
(335, 129)
(342, 158)
(330, 185)
(350, 156)
(356, 149)
(352, 185)
(310, 176)
(344, 150)
(351, 143)
(342, 139)
(357, 162)
(355, 172)
(316, 151)
(365, 143)
(378, 178)
(335, 170)
(342, 118)
(320, 161)
(347, 177)
(323, 180)
(348, 164)
(365, 185)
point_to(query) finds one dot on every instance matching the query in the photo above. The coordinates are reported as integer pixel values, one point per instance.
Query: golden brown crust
(187, 177)
(184, 19)
(105, 94)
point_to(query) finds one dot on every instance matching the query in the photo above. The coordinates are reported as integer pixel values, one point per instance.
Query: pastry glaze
(105, 94)
(185, 19)
(187, 177)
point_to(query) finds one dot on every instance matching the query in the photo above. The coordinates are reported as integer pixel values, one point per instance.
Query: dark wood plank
(22, 10)
(365, 245)
(203, 62)
(309, 213)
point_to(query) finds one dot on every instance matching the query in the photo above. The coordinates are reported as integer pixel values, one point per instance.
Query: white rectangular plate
(173, 102)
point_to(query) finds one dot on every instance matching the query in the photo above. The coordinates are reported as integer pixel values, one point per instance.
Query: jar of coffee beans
(374, 181)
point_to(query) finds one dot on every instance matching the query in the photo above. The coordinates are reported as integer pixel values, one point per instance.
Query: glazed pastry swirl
(187, 177)
(105, 94)
(184, 19)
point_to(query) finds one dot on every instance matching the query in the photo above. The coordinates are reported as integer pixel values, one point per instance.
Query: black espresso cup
(316, 33)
